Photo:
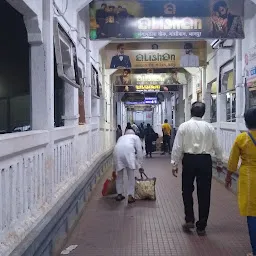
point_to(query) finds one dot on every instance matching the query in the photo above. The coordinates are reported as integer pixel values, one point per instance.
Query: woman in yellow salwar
(245, 148)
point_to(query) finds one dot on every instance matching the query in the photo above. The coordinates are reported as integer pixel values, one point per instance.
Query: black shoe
(131, 199)
(163, 153)
(120, 197)
(201, 232)
(188, 226)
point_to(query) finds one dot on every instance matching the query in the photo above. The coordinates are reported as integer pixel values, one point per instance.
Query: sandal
(120, 198)
(131, 199)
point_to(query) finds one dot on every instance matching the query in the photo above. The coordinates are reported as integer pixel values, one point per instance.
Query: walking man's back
(194, 144)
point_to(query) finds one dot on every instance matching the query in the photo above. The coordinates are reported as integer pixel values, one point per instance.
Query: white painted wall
(39, 166)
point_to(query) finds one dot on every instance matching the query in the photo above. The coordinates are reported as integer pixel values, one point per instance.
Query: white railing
(227, 138)
(37, 168)
(227, 133)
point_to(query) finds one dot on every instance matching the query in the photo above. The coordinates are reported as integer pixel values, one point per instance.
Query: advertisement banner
(175, 54)
(125, 81)
(250, 67)
(166, 19)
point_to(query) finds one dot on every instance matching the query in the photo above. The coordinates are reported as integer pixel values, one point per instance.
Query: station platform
(146, 228)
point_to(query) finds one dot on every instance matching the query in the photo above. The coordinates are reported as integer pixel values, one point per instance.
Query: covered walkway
(108, 228)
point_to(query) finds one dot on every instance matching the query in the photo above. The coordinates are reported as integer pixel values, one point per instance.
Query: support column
(180, 117)
(42, 73)
(186, 107)
(240, 92)
(47, 95)
(207, 101)
(174, 106)
(204, 85)
(87, 89)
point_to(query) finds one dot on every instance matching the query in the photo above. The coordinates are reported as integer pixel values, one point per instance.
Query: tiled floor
(108, 228)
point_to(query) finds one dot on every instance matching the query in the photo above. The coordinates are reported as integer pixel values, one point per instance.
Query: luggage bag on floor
(145, 188)
(109, 186)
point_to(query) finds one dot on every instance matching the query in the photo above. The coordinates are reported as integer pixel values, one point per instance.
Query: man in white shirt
(189, 59)
(194, 144)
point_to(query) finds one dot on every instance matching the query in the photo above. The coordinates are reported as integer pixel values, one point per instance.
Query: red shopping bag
(109, 186)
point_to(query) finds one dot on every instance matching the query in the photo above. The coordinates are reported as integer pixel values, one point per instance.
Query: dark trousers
(252, 232)
(167, 143)
(199, 168)
(148, 146)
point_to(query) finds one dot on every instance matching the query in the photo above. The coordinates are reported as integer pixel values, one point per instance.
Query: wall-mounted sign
(178, 54)
(176, 19)
(250, 67)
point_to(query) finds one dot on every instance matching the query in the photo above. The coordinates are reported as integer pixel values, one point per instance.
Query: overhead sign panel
(140, 55)
(125, 81)
(166, 19)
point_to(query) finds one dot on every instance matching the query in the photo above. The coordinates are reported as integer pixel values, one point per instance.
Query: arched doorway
(14, 71)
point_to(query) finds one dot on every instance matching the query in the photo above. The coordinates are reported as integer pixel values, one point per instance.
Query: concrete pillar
(186, 107)
(87, 89)
(206, 96)
(169, 108)
(174, 109)
(42, 74)
(204, 84)
(240, 92)
(180, 115)
(207, 101)
(47, 96)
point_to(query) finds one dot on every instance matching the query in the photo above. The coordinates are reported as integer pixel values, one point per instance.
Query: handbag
(145, 188)
(109, 186)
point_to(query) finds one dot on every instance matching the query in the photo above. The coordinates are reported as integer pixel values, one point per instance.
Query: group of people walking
(148, 136)
(195, 143)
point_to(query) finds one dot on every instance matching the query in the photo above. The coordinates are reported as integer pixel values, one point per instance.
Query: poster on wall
(250, 67)
(126, 81)
(95, 82)
(165, 19)
(175, 54)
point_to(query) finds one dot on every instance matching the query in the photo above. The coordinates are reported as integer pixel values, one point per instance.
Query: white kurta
(128, 153)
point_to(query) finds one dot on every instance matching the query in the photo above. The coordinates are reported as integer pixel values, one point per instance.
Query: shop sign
(166, 19)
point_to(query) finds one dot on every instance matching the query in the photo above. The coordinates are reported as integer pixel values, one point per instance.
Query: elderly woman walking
(245, 148)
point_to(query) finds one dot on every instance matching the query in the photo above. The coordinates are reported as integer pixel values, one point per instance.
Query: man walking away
(196, 141)
(128, 157)
(166, 128)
